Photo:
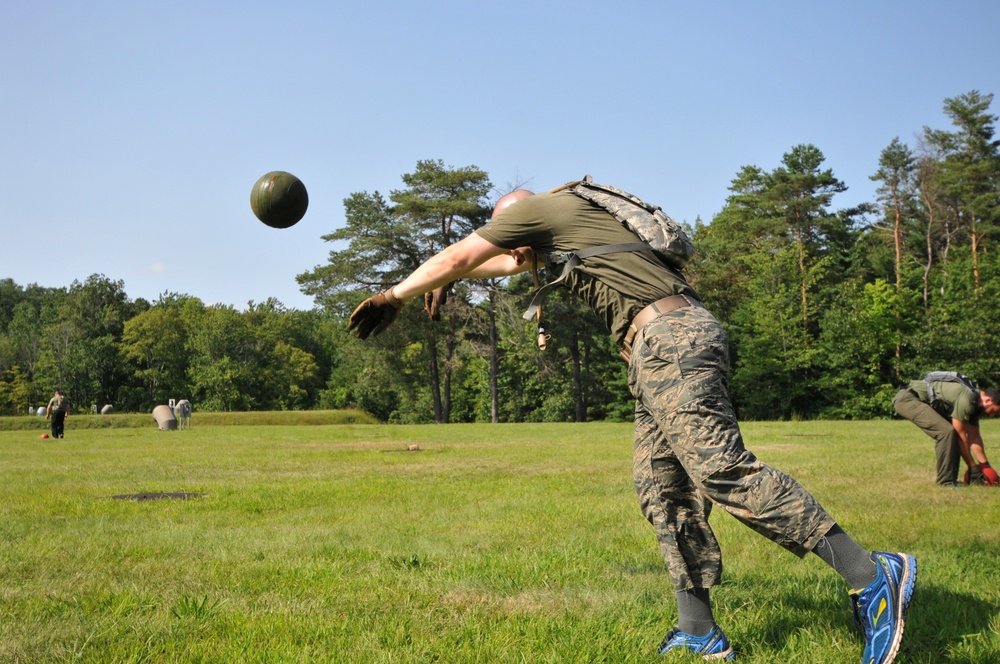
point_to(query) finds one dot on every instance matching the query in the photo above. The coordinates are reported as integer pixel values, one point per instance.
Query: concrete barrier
(164, 417)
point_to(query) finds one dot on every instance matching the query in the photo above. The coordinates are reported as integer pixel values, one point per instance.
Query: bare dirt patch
(157, 496)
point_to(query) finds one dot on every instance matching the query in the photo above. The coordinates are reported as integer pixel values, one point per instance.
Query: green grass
(509, 543)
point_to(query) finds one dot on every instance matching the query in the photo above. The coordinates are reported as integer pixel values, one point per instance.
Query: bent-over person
(688, 450)
(947, 407)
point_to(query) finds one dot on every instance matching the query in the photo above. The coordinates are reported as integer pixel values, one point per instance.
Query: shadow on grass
(941, 626)
(948, 626)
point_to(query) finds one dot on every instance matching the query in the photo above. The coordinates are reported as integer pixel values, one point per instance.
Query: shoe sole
(907, 583)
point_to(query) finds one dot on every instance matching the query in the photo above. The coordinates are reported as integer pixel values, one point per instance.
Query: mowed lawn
(487, 543)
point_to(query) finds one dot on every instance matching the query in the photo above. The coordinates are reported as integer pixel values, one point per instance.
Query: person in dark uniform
(57, 411)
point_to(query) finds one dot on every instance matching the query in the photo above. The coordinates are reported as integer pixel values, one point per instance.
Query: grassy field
(508, 543)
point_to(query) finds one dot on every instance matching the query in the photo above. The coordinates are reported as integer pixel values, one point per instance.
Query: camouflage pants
(689, 453)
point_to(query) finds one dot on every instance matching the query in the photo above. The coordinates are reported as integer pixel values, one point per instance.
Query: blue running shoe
(713, 645)
(880, 608)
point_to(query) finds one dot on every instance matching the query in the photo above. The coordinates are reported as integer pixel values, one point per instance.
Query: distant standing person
(57, 411)
(947, 406)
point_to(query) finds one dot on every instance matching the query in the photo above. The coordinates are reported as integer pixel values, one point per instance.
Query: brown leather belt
(650, 312)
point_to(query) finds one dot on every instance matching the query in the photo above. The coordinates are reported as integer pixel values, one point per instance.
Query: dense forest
(828, 311)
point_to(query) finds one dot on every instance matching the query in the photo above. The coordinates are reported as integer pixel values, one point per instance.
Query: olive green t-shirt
(954, 400)
(616, 286)
(57, 403)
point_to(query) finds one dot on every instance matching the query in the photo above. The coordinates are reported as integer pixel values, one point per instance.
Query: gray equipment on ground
(40, 412)
(107, 410)
(183, 413)
(164, 417)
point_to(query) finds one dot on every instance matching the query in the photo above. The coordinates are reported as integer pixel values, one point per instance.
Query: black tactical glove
(375, 314)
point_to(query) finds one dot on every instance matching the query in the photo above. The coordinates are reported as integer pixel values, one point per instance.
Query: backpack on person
(667, 239)
(947, 377)
(658, 233)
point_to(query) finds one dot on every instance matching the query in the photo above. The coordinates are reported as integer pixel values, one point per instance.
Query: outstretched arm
(471, 257)
(508, 264)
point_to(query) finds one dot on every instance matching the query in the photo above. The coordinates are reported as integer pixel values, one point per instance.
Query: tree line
(829, 311)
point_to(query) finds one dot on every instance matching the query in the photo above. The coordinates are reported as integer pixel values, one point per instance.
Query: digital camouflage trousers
(689, 453)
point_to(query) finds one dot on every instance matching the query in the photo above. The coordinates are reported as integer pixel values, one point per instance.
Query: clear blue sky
(132, 132)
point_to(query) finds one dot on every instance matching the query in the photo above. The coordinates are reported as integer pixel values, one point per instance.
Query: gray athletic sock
(843, 554)
(694, 612)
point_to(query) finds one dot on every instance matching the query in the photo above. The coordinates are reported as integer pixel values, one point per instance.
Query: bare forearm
(974, 443)
(437, 271)
(458, 261)
(498, 266)
(969, 440)
(963, 449)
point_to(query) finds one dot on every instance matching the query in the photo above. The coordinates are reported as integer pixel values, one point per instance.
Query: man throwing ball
(689, 452)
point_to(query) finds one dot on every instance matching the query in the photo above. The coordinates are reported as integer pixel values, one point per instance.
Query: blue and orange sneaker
(713, 645)
(880, 608)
